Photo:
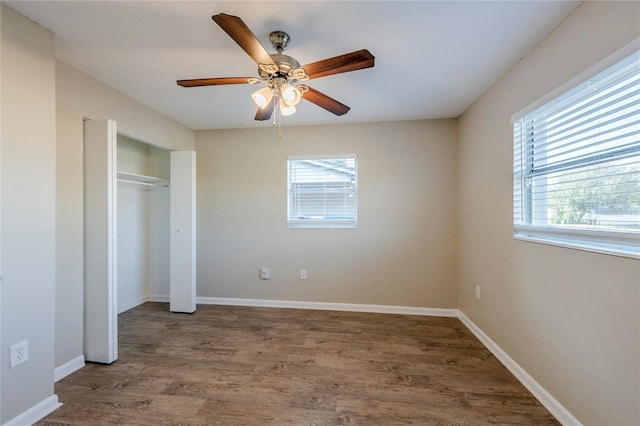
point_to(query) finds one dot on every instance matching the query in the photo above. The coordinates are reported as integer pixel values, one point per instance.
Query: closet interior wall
(143, 223)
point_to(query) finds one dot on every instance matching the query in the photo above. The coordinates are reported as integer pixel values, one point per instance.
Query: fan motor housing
(285, 64)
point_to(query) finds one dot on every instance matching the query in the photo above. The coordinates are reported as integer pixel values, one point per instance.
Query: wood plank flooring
(228, 365)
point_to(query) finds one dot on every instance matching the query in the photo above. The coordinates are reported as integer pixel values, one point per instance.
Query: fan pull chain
(278, 114)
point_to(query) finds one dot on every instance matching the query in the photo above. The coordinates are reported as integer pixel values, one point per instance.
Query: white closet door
(100, 268)
(182, 296)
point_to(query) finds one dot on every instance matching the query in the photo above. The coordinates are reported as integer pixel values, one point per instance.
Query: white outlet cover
(18, 354)
(265, 273)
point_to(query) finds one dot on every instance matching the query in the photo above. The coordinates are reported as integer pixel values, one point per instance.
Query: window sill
(610, 243)
(321, 225)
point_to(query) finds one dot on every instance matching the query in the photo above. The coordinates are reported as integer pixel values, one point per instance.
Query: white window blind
(577, 164)
(322, 191)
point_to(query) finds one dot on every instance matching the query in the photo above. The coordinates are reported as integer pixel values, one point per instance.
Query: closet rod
(137, 182)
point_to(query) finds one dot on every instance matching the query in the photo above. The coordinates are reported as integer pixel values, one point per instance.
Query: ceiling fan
(280, 71)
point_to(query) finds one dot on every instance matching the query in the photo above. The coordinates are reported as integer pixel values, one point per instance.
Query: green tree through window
(599, 196)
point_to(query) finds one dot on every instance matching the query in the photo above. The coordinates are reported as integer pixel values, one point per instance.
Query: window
(322, 191)
(577, 165)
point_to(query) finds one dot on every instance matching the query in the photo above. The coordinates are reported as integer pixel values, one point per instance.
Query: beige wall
(28, 167)
(69, 236)
(569, 318)
(403, 252)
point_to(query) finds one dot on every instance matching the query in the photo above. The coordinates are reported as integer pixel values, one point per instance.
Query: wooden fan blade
(242, 35)
(265, 113)
(344, 63)
(197, 82)
(325, 101)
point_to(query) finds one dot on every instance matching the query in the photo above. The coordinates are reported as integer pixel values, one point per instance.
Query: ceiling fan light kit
(279, 72)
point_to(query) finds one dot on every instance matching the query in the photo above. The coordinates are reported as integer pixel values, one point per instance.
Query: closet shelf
(142, 180)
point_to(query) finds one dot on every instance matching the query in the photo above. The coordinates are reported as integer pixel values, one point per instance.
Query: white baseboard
(158, 298)
(64, 370)
(324, 306)
(139, 301)
(132, 304)
(550, 403)
(37, 412)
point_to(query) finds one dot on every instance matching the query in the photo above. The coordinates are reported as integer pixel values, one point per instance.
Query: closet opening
(143, 211)
(139, 231)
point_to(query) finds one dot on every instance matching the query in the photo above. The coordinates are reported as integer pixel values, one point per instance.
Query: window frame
(322, 223)
(609, 241)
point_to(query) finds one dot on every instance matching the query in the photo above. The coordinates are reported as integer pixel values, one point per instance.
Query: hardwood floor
(228, 365)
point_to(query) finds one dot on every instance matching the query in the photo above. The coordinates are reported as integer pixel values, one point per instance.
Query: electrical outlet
(18, 354)
(303, 274)
(478, 292)
(265, 273)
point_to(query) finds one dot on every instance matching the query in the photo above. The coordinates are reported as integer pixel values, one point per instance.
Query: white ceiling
(432, 59)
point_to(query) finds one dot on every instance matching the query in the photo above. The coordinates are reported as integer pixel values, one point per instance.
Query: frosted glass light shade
(290, 94)
(262, 97)
(286, 109)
